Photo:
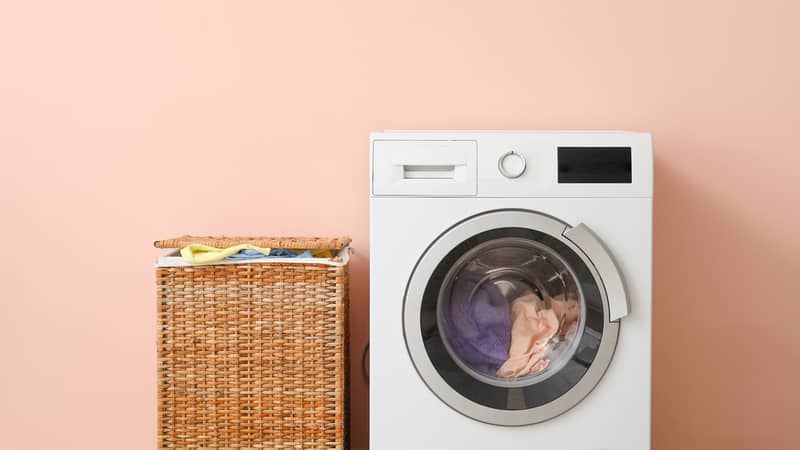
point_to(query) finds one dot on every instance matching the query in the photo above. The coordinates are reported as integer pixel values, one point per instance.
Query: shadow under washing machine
(510, 290)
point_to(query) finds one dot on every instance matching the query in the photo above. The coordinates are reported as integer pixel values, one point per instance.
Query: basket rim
(306, 243)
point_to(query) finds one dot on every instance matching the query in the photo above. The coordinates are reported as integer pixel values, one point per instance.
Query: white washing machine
(510, 290)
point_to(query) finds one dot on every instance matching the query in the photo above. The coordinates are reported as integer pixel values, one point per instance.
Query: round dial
(511, 164)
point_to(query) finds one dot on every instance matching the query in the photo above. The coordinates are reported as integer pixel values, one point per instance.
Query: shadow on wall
(359, 336)
(724, 343)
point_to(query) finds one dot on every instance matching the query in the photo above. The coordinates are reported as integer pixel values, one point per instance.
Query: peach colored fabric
(568, 313)
(532, 326)
(105, 104)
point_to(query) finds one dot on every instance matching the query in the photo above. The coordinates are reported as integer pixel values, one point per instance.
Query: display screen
(594, 164)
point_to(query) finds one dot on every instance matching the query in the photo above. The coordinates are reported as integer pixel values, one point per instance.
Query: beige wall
(126, 121)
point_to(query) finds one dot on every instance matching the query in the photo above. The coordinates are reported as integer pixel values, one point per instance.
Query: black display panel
(594, 164)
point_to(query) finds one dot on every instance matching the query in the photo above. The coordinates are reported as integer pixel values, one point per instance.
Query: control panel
(512, 164)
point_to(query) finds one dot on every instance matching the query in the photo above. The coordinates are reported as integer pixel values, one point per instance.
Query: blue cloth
(246, 254)
(275, 253)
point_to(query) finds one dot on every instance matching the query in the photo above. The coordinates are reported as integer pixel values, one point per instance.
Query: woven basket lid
(331, 243)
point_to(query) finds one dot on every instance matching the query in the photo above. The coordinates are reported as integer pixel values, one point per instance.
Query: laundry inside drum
(510, 312)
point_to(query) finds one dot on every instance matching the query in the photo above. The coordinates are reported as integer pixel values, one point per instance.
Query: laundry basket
(253, 354)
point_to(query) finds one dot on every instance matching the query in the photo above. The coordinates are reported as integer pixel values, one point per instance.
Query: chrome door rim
(418, 281)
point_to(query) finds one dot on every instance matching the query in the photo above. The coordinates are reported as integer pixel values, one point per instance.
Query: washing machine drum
(508, 317)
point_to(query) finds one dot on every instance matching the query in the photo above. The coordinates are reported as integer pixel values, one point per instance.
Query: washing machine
(510, 290)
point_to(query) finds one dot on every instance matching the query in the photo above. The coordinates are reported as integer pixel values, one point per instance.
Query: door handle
(610, 276)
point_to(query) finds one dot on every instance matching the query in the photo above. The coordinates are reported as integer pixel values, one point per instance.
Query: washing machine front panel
(457, 322)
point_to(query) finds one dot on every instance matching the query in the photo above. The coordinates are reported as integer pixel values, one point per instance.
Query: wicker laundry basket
(253, 354)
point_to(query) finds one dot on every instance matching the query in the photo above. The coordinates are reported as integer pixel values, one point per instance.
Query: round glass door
(505, 319)
(509, 312)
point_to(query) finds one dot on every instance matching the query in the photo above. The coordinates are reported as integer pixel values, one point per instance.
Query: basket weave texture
(253, 355)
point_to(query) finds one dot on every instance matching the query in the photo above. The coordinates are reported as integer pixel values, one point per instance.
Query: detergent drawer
(440, 168)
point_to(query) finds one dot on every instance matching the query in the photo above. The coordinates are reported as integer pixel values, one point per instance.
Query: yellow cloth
(204, 254)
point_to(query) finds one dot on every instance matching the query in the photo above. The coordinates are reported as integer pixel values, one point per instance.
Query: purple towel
(478, 328)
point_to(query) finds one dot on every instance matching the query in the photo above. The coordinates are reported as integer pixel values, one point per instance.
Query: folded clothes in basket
(204, 254)
(280, 253)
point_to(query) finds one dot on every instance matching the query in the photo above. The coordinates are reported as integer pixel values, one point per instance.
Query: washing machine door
(511, 317)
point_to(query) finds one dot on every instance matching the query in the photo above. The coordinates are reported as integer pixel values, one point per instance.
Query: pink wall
(126, 121)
